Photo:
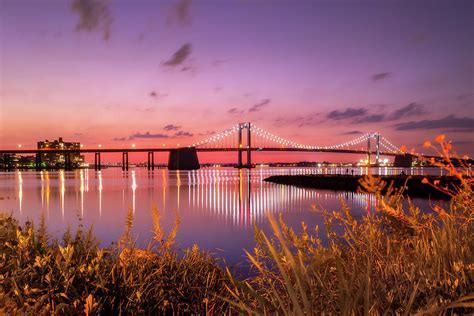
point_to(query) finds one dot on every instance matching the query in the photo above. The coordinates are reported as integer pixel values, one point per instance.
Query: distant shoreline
(415, 187)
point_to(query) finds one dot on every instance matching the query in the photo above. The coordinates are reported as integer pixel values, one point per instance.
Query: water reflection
(246, 199)
(99, 175)
(20, 190)
(217, 207)
(62, 191)
(134, 188)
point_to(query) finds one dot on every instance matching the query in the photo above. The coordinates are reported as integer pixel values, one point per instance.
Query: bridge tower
(368, 149)
(240, 165)
(377, 147)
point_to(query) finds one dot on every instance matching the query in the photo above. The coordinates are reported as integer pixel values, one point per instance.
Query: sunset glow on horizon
(160, 73)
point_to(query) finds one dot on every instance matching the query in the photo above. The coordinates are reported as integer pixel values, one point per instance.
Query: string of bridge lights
(393, 147)
(288, 143)
(217, 137)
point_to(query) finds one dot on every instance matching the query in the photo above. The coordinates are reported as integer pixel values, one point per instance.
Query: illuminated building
(58, 159)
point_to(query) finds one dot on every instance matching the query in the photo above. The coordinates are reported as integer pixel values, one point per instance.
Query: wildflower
(440, 138)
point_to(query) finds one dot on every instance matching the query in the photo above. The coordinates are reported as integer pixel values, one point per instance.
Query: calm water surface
(217, 207)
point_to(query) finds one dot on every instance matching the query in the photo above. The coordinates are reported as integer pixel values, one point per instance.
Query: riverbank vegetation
(395, 261)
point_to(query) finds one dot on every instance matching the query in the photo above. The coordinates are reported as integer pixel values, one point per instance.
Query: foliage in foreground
(393, 261)
(74, 276)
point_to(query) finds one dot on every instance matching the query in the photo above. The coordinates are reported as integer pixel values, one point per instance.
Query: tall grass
(393, 261)
(74, 276)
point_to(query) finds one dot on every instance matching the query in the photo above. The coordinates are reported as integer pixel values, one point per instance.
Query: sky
(144, 72)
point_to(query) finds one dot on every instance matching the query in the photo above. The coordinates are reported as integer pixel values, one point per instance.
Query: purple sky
(316, 72)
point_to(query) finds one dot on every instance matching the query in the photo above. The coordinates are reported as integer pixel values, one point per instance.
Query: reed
(394, 261)
(75, 276)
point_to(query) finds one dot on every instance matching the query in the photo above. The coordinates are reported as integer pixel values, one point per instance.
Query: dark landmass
(414, 185)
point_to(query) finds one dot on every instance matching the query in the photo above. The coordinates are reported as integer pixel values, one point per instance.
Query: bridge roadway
(220, 149)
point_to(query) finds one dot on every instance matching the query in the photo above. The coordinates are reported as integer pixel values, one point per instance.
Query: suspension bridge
(243, 138)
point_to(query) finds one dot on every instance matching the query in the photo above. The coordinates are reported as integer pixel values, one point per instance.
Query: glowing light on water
(20, 189)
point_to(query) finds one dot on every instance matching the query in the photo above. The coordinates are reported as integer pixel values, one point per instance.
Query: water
(217, 206)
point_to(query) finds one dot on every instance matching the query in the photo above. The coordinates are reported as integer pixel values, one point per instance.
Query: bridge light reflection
(134, 188)
(62, 181)
(100, 192)
(20, 190)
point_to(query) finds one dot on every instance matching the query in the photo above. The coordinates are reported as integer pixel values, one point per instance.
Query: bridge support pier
(67, 162)
(151, 161)
(7, 162)
(38, 166)
(97, 161)
(183, 159)
(10, 163)
(403, 161)
(125, 160)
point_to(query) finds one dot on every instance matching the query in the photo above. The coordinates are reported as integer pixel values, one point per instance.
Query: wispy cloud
(149, 135)
(372, 118)
(179, 56)
(158, 95)
(206, 133)
(300, 121)
(183, 134)
(257, 107)
(94, 15)
(381, 76)
(412, 109)
(348, 113)
(171, 127)
(364, 115)
(180, 13)
(450, 121)
(355, 132)
(121, 139)
(235, 111)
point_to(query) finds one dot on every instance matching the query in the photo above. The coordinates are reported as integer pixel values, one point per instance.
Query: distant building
(58, 159)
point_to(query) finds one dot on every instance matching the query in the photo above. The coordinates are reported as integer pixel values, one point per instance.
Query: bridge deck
(221, 149)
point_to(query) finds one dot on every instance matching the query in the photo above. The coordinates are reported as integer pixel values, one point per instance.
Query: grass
(74, 276)
(394, 261)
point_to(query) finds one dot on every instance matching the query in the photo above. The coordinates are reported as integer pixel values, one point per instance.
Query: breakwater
(414, 186)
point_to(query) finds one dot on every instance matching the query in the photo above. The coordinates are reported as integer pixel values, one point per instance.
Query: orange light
(100, 145)
(19, 145)
(133, 145)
